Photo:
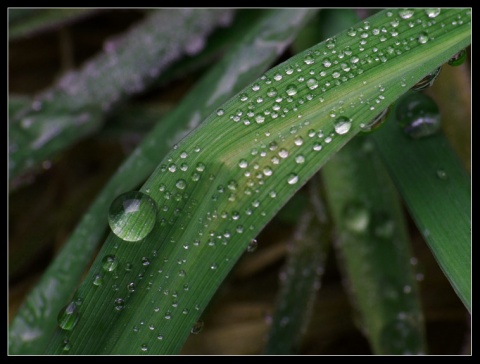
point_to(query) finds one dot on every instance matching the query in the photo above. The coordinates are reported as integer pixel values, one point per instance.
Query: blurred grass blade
(28, 22)
(424, 169)
(35, 321)
(373, 245)
(215, 192)
(300, 281)
(76, 105)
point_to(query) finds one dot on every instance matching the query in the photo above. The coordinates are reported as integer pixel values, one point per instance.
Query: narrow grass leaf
(76, 105)
(28, 22)
(374, 247)
(437, 191)
(214, 191)
(267, 38)
(300, 281)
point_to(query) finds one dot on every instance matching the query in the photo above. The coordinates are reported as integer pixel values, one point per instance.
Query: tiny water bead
(119, 304)
(109, 263)
(197, 327)
(68, 316)
(418, 115)
(458, 59)
(356, 217)
(132, 215)
(376, 122)
(252, 246)
(427, 81)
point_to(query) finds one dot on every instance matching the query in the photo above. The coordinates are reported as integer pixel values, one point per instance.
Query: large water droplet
(181, 184)
(98, 280)
(68, 316)
(342, 125)
(132, 215)
(418, 115)
(356, 217)
(427, 81)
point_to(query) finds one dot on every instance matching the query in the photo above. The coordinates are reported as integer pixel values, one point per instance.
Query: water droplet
(220, 112)
(144, 347)
(292, 178)
(283, 153)
(252, 246)
(312, 83)
(442, 174)
(432, 12)
(68, 316)
(98, 280)
(342, 125)
(291, 90)
(259, 119)
(243, 163)
(418, 115)
(458, 58)
(356, 217)
(119, 304)
(326, 62)
(317, 147)
(405, 13)
(181, 184)
(309, 59)
(131, 287)
(200, 167)
(300, 159)
(427, 81)
(197, 328)
(423, 38)
(109, 263)
(132, 215)
(277, 76)
(376, 122)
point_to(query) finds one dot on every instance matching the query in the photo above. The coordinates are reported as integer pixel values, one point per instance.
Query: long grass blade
(267, 38)
(437, 191)
(77, 104)
(374, 247)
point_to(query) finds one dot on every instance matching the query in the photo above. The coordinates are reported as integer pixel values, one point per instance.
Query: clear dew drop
(458, 59)
(342, 125)
(432, 12)
(68, 316)
(299, 159)
(181, 184)
(132, 215)
(243, 163)
(405, 13)
(291, 90)
(220, 112)
(427, 81)
(309, 59)
(442, 174)
(98, 280)
(119, 304)
(376, 122)
(312, 83)
(423, 38)
(66, 345)
(252, 246)
(418, 115)
(292, 178)
(109, 263)
(283, 153)
(144, 347)
(197, 327)
(356, 217)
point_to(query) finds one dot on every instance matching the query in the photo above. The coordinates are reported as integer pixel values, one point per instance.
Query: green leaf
(28, 22)
(374, 247)
(424, 169)
(215, 189)
(76, 106)
(35, 321)
(300, 281)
